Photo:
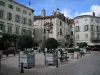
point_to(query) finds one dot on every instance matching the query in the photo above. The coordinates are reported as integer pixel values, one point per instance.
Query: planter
(50, 58)
(83, 50)
(28, 59)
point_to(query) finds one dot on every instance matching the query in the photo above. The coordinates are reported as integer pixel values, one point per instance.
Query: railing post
(77, 56)
(0, 62)
(22, 70)
(57, 59)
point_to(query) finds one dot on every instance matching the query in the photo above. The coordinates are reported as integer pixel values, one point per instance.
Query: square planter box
(50, 58)
(28, 59)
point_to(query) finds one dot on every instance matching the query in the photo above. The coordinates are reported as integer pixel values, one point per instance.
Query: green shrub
(83, 44)
(25, 41)
(72, 50)
(77, 49)
(51, 43)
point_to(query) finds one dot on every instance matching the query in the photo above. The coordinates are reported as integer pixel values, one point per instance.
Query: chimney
(53, 13)
(57, 11)
(93, 13)
(43, 13)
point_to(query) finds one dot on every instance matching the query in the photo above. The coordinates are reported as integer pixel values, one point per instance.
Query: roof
(60, 16)
(21, 5)
(71, 21)
(83, 16)
(45, 17)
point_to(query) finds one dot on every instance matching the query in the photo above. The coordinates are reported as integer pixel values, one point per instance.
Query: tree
(25, 41)
(83, 44)
(51, 43)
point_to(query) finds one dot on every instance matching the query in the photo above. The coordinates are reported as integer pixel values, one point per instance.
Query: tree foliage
(51, 43)
(83, 44)
(25, 41)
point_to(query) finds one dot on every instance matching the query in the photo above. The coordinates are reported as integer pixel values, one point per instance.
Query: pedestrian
(61, 54)
(39, 49)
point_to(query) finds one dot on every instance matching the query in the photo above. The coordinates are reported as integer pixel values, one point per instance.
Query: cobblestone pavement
(88, 65)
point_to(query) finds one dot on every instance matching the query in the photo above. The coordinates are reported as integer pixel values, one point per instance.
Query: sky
(70, 8)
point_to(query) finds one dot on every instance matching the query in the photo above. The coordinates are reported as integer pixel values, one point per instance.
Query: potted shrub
(50, 57)
(83, 48)
(26, 56)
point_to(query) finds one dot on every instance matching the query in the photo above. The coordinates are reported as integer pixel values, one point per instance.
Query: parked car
(95, 49)
(10, 50)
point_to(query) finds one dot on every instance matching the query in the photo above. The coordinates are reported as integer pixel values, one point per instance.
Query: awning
(91, 44)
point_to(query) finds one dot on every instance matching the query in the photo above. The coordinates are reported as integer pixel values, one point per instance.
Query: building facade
(72, 32)
(59, 27)
(15, 18)
(87, 29)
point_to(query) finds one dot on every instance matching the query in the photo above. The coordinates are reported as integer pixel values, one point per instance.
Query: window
(30, 13)
(30, 31)
(86, 27)
(92, 28)
(97, 28)
(18, 9)
(1, 26)
(24, 12)
(70, 26)
(86, 36)
(9, 29)
(60, 31)
(17, 30)
(24, 20)
(2, 3)
(71, 32)
(44, 30)
(33, 31)
(77, 21)
(97, 21)
(98, 34)
(60, 23)
(30, 22)
(85, 20)
(1, 14)
(77, 36)
(9, 16)
(44, 38)
(23, 31)
(77, 29)
(91, 19)
(71, 41)
(3, 29)
(17, 18)
(92, 34)
(10, 6)
(77, 44)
